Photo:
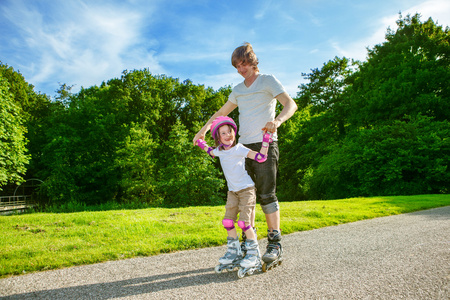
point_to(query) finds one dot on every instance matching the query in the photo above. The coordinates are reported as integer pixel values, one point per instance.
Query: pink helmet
(219, 122)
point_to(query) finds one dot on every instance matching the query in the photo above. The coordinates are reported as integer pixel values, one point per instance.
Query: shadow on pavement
(130, 287)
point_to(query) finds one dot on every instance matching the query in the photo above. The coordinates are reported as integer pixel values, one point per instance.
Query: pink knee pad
(228, 224)
(242, 225)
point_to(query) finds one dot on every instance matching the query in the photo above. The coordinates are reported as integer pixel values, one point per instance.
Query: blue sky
(83, 43)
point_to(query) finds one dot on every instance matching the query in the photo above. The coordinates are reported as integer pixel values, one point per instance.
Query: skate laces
(272, 248)
(251, 253)
(232, 255)
(232, 250)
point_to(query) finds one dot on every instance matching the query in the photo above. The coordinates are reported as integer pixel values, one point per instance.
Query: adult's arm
(223, 111)
(289, 108)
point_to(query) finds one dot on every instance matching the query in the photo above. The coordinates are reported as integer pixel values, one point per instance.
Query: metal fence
(8, 203)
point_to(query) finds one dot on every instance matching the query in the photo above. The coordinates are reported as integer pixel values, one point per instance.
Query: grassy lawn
(45, 241)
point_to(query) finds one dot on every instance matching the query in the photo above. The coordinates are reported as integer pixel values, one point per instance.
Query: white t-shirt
(233, 166)
(256, 106)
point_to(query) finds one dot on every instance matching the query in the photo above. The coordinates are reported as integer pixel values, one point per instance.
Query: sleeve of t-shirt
(232, 98)
(274, 86)
(242, 150)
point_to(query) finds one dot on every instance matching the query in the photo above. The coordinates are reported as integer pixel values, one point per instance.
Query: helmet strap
(225, 146)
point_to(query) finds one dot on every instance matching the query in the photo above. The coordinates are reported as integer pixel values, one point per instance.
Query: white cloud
(82, 44)
(262, 10)
(218, 80)
(439, 10)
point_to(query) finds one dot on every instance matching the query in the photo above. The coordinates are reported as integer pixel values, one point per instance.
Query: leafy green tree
(404, 158)
(363, 129)
(187, 176)
(408, 74)
(293, 167)
(137, 164)
(35, 109)
(319, 127)
(325, 87)
(82, 149)
(13, 158)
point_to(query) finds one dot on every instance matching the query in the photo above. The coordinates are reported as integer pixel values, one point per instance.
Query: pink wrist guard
(202, 144)
(267, 138)
(260, 157)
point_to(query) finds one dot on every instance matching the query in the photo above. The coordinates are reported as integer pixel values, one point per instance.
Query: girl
(241, 196)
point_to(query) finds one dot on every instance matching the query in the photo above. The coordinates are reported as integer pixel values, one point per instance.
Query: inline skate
(232, 257)
(274, 252)
(252, 260)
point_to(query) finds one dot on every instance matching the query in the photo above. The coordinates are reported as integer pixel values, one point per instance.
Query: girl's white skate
(232, 258)
(244, 271)
(252, 260)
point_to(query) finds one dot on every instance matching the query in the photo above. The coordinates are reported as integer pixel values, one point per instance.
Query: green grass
(45, 241)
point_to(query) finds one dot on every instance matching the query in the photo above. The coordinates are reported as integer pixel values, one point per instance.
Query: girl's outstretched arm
(203, 145)
(223, 111)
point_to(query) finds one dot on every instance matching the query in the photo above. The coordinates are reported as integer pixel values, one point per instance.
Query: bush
(406, 158)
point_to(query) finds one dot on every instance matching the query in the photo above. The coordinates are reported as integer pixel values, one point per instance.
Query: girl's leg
(250, 233)
(231, 212)
(252, 217)
(247, 204)
(232, 233)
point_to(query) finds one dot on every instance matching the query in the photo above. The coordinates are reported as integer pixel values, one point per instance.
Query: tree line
(378, 127)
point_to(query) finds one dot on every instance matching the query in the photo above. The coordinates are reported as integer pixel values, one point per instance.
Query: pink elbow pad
(260, 157)
(210, 149)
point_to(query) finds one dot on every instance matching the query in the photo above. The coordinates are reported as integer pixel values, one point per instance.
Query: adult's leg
(273, 221)
(264, 176)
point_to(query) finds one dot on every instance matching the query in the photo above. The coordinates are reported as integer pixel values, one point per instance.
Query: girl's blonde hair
(245, 54)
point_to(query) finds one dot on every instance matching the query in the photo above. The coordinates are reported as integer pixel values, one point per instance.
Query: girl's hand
(271, 126)
(199, 136)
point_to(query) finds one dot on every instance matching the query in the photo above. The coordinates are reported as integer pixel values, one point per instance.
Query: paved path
(398, 257)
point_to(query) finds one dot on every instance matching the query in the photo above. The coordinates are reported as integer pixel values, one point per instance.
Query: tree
(381, 128)
(79, 157)
(13, 158)
(406, 75)
(320, 126)
(34, 110)
(137, 164)
(187, 177)
(402, 158)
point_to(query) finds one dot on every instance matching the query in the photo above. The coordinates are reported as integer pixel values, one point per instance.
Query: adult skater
(256, 98)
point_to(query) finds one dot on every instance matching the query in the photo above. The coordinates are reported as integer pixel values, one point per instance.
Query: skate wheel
(264, 267)
(217, 269)
(241, 273)
(229, 269)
